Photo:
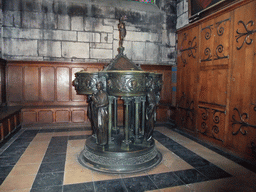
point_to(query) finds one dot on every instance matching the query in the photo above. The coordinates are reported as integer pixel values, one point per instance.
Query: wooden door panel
(211, 123)
(213, 77)
(213, 87)
(242, 123)
(187, 78)
(215, 43)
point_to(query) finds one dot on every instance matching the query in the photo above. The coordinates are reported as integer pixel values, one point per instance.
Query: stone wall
(86, 30)
(182, 13)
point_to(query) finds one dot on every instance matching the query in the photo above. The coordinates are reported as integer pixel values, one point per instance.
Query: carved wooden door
(214, 71)
(187, 78)
(242, 120)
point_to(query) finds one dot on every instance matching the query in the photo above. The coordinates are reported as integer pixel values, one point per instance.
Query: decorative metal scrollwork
(192, 46)
(219, 50)
(207, 52)
(220, 30)
(208, 34)
(216, 120)
(242, 122)
(215, 128)
(246, 34)
(187, 106)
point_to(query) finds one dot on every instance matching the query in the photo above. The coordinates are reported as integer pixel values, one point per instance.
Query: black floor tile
(139, 184)
(164, 180)
(61, 130)
(48, 179)
(46, 130)
(110, 186)
(5, 170)
(23, 140)
(8, 161)
(58, 141)
(51, 157)
(168, 142)
(190, 176)
(58, 149)
(159, 136)
(13, 151)
(48, 189)
(196, 161)
(81, 187)
(29, 133)
(21, 144)
(213, 172)
(52, 167)
(2, 180)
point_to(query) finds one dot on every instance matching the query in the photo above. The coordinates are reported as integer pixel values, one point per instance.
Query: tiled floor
(46, 160)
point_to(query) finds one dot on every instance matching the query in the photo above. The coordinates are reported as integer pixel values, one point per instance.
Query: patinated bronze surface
(129, 148)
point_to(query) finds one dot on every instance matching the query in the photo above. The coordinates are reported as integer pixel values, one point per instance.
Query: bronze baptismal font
(129, 148)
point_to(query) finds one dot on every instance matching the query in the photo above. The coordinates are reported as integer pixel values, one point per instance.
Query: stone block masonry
(86, 31)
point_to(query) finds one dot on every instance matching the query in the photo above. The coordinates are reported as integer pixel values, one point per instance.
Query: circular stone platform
(113, 159)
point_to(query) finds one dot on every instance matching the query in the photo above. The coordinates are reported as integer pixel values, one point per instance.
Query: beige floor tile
(34, 148)
(41, 137)
(74, 166)
(72, 177)
(174, 163)
(80, 133)
(17, 182)
(232, 184)
(59, 134)
(72, 157)
(19, 190)
(156, 190)
(75, 146)
(182, 188)
(231, 167)
(28, 169)
(30, 159)
(97, 176)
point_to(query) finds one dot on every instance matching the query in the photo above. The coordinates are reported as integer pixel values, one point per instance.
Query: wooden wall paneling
(187, 77)
(79, 115)
(47, 83)
(31, 84)
(46, 116)
(29, 117)
(2, 82)
(5, 128)
(14, 84)
(63, 84)
(242, 132)
(62, 115)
